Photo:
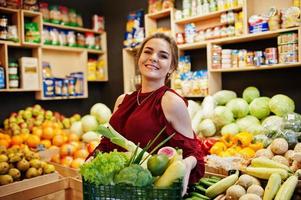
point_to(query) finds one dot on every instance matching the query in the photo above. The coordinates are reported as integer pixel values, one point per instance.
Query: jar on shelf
(55, 15)
(3, 33)
(64, 15)
(2, 77)
(72, 17)
(13, 81)
(45, 11)
(3, 20)
(90, 40)
(13, 68)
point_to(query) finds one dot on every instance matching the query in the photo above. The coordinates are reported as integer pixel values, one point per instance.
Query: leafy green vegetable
(230, 129)
(272, 123)
(250, 93)
(292, 121)
(259, 107)
(239, 107)
(281, 105)
(224, 96)
(102, 169)
(207, 128)
(222, 116)
(134, 175)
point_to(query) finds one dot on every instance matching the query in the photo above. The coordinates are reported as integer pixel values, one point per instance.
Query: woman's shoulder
(120, 99)
(172, 102)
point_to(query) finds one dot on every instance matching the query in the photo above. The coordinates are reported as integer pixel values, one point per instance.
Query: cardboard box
(29, 73)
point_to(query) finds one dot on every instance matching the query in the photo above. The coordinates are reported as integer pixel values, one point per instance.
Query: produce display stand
(66, 171)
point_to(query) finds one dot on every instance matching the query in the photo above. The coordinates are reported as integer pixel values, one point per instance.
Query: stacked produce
(25, 120)
(21, 163)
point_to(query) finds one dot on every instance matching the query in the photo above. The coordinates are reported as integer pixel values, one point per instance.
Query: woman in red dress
(140, 115)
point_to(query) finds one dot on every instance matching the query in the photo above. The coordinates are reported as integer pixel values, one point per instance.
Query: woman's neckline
(154, 91)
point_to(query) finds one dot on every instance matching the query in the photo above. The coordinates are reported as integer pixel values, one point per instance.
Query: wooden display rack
(63, 60)
(249, 8)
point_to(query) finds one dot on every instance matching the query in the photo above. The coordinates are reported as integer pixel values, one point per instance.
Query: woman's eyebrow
(161, 51)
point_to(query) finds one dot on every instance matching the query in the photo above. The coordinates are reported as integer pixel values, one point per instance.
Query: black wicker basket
(123, 192)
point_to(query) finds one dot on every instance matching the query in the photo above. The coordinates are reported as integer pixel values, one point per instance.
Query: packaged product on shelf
(290, 17)
(180, 38)
(48, 87)
(100, 69)
(46, 36)
(258, 23)
(63, 38)
(271, 56)
(78, 83)
(98, 23)
(250, 58)
(2, 77)
(234, 58)
(54, 36)
(32, 33)
(190, 32)
(58, 82)
(12, 33)
(45, 11)
(259, 58)
(212, 6)
(71, 39)
(97, 42)
(193, 8)
(54, 14)
(29, 73)
(79, 20)
(134, 29)
(216, 56)
(91, 70)
(168, 4)
(242, 58)
(80, 40)
(13, 81)
(186, 5)
(64, 15)
(31, 5)
(184, 64)
(3, 33)
(154, 6)
(178, 15)
(46, 70)
(274, 19)
(3, 20)
(65, 87)
(221, 5)
(13, 68)
(71, 85)
(72, 17)
(15, 4)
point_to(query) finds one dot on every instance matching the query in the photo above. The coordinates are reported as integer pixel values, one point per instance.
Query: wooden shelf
(18, 90)
(252, 37)
(30, 44)
(194, 96)
(79, 29)
(160, 14)
(205, 17)
(95, 51)
(60, 98)
(28, 13)
(96, 81)
(132, 49)
(63, 48)
(263, 67)
(8, 10)
(10, 43)
(196, 45)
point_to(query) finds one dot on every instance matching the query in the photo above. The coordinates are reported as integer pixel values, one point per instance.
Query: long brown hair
(169, 40)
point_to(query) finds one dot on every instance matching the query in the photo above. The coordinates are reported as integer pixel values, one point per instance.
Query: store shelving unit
(63, 60)
(249, 8)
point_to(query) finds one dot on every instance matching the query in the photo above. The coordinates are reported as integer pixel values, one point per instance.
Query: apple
(40, 117)
(72, 120)
(16, 132)
(23, 125)
(12, 119)
(38, 122)
(20, 120)
(20, 113)
(48, 114)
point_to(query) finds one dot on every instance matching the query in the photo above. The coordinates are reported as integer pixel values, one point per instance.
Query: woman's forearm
(190, 162)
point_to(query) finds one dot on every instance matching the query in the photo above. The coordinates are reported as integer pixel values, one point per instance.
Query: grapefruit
(170, 152)
(157, 164)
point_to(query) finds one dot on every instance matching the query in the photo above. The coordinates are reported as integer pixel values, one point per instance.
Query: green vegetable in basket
(102, 169)
(134, 175)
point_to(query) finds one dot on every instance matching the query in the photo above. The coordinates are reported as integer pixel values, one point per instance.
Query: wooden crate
(65, 171)
(34, 187)
(215, 170)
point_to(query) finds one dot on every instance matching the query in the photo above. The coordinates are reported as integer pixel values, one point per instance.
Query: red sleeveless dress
(141, 123)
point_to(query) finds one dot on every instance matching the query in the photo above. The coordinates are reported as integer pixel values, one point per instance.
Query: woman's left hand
(190, 163)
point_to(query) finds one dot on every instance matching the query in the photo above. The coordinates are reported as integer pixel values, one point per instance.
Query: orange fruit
(67, 150)
(81, 153)
(66, 161)
(33, 141)
(58, 140)
(47, 124)
(75, 144)
(17, 139)
(77, 162)
(57, 131)
(46, 143)
(56, 126)
(4, 143)
(48, 133)
(24, 136)
(37, 131)
(73, 137)
(56, 158)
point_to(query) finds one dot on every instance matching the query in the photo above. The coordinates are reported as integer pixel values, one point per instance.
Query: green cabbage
(230, 129)
(259, 107)
(250, 93)
(246, 124)
(239, 107)
(207, 128)
(224, 96)
(281, 105)
(222, 116)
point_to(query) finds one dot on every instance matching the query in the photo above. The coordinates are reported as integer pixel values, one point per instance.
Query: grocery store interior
(63, 64)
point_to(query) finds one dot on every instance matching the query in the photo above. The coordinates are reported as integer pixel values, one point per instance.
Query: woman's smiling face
(155, 59)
